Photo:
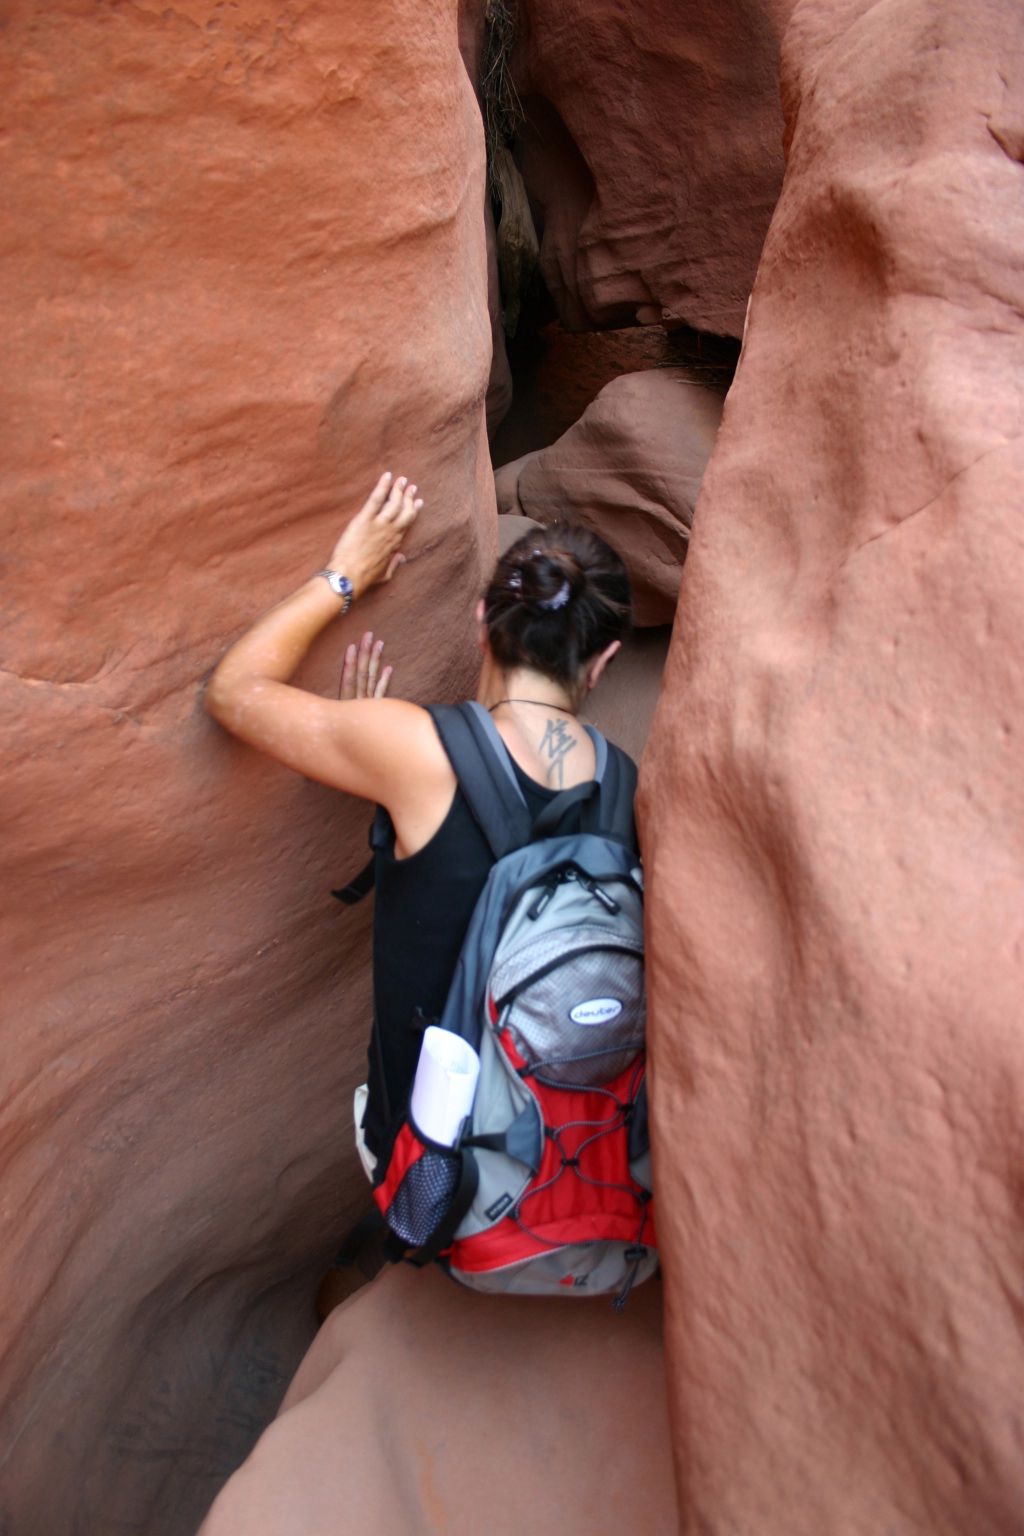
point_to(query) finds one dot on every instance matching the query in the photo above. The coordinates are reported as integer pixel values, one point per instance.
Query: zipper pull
(591, 886)
(542, 900)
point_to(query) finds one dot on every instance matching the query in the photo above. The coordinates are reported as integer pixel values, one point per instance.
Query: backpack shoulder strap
(485, 775)
(605, 801)
(488, 781)
(615, 771)
(362, 884)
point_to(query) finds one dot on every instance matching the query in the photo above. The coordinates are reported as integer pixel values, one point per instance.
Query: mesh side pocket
(423, 1197)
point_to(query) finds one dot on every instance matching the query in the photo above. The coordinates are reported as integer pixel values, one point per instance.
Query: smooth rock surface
(653, 150)
(423, 1408)
(630, 469)
(237, 242)
(833, 816)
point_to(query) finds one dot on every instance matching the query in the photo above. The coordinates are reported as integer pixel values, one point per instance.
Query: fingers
(348, 674)
(401, 505)
(385, 680)
(363, 664)
(411, 505)
(393, 500)
(368, 666)
(374, 670)
(392, 504)
(362, 676)
(378, 496)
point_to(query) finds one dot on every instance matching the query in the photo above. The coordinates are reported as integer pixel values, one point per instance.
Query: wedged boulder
(559, 372)
(652, 148)
(833, 820)
(630, 468)
(423, 1407)
(238, 242)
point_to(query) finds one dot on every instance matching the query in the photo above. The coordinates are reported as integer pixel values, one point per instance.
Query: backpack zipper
(569, 876)
(593, 889)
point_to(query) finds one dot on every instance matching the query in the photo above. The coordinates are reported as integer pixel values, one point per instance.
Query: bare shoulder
(397, 736)
(419, 784)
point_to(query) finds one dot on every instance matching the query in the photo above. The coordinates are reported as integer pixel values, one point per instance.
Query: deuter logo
(597, 1010)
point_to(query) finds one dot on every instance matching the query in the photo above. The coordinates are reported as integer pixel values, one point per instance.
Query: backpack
(548, 1190)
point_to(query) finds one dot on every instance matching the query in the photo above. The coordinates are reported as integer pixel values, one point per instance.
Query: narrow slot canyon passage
(739, 287)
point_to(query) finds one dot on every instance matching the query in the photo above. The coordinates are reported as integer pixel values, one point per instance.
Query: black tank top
(423, 907)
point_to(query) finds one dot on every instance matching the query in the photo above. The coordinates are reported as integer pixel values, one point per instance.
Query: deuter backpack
(548, 1190)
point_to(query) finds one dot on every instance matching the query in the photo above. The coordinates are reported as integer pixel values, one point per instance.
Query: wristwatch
(340, 585)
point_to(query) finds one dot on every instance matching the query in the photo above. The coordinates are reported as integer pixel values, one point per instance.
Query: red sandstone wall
(243, 269)
(833, 812)
(653, 152)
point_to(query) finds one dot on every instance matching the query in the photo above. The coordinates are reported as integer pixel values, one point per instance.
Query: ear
(481, 638)
(596, 668)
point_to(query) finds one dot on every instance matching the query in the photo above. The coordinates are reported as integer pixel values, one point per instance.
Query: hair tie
(561, 597)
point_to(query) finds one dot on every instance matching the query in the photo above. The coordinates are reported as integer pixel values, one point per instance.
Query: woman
(551, 621)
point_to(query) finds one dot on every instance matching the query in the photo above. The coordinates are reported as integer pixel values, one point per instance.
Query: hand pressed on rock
(368, 550)
(361, 675)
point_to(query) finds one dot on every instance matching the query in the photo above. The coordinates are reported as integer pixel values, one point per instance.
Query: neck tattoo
(557, 743)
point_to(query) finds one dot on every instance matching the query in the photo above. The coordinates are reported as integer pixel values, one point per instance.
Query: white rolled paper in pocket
(444, 1086)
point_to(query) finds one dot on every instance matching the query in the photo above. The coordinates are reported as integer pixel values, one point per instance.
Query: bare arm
(380, 749)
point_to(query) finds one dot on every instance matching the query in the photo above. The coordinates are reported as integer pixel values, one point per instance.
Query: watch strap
(340, 585)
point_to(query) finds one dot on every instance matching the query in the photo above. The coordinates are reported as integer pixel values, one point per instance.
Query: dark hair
(558, 596)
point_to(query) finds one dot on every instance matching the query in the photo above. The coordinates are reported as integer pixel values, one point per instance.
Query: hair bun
(549, 579)
(559, 595)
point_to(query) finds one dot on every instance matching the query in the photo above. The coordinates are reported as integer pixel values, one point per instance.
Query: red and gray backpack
(548, 1190)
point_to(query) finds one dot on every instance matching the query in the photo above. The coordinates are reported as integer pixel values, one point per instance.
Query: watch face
(339, 585)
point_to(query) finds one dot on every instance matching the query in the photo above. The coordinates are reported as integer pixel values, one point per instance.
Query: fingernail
(401, 480)
(412, 490)
(387, 474)
(417, 505)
